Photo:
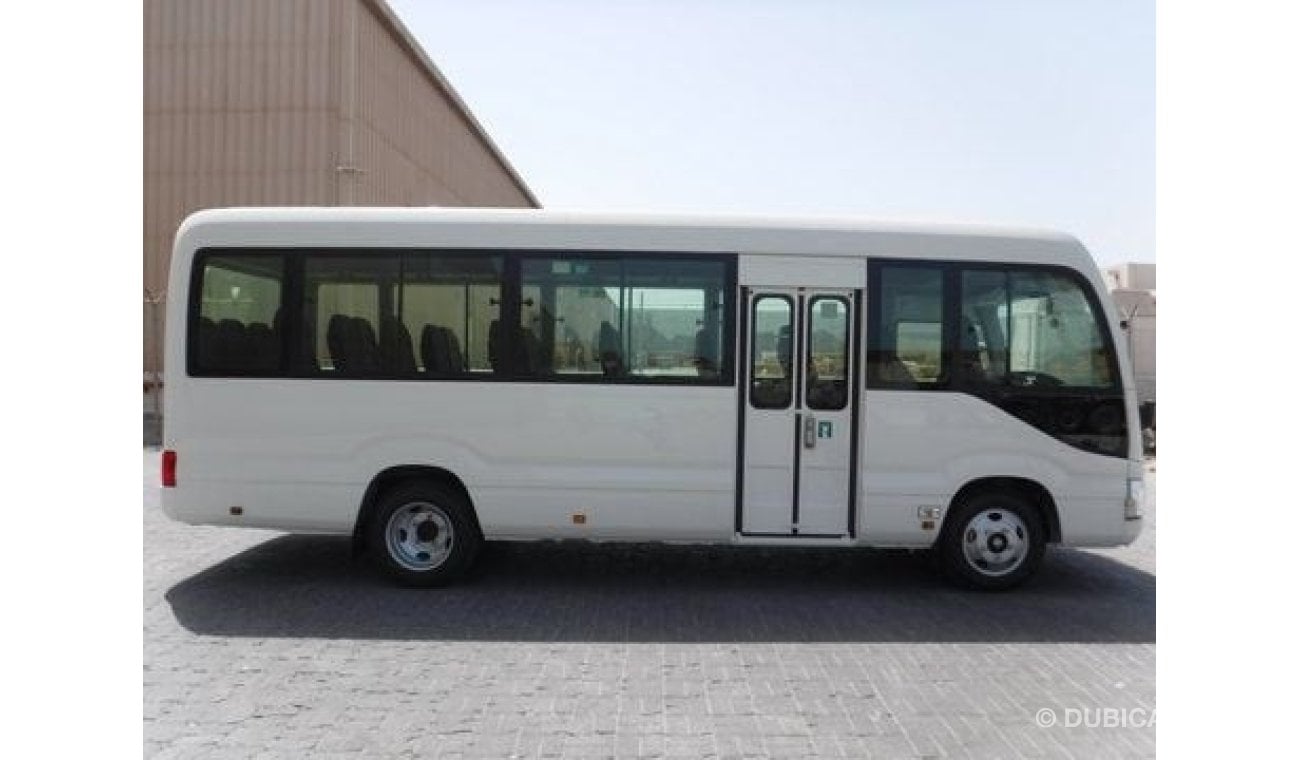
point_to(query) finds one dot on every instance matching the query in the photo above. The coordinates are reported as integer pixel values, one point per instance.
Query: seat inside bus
(440, 351)
(395, 349)
(525, 345)
(352, 344)
(610, 348)
(230, 344)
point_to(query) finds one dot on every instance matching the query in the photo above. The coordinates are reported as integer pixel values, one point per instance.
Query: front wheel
(992, 541)
(422, 534)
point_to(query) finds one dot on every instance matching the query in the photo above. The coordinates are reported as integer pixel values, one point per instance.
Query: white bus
(425, 380)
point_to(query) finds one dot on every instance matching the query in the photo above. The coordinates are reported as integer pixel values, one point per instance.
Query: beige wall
(297, 102)
(414, 146)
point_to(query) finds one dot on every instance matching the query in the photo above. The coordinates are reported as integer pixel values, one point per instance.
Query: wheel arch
(397, 475)
(1031, 490)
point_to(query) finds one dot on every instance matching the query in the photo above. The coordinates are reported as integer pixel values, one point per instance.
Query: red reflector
(169, 469)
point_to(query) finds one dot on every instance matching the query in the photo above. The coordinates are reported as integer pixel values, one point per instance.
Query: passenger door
(798, 423)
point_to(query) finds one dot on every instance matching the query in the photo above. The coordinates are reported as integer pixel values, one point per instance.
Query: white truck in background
(1133, 289)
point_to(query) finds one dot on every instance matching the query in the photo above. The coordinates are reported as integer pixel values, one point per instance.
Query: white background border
(1228, 184)
(71, 562)
(1229, 190)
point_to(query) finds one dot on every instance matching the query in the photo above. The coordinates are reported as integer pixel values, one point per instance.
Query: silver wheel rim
(419, 536)
(995, 542)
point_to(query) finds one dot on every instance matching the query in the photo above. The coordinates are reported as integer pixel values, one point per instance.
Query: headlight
(1137, 495)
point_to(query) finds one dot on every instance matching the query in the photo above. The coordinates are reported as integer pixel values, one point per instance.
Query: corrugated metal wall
(239, 108)
(413, 144)
(295, 102)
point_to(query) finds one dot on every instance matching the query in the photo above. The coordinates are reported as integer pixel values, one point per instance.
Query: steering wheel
(1033, 380)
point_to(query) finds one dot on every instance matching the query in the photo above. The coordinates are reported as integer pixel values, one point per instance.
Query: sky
(1038, 113)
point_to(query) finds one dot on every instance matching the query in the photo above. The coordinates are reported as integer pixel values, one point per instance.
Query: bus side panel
(635, 462)
(921, 447)
(275, 506)
(569, 460)
(271, 447)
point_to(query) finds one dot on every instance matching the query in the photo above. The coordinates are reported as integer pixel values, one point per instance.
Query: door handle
(809, 432)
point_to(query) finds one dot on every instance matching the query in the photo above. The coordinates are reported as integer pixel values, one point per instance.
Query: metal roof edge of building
(391, 19)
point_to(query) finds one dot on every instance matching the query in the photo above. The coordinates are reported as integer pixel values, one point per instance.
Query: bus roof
(551, 229)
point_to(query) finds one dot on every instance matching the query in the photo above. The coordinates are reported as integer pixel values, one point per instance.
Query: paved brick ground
(268, 645)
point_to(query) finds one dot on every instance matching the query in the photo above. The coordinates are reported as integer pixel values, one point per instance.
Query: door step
(760, 539)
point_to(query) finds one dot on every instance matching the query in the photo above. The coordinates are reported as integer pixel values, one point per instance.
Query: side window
(675, 318)
(1031, 329)
(570, 318)
(238, 329)
(349, 313)
(586, 317)
(905, 344)
(1025, 339)
(449, 311)
(983, 331)
(771, 368)
(1055, 335)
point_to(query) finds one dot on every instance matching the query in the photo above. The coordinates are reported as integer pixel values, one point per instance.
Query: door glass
(828, 353)
(1030, 328)
(770, 368)
(1055, 337)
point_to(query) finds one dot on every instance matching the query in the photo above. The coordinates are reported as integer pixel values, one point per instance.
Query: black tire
(425, 518)
(977, 522)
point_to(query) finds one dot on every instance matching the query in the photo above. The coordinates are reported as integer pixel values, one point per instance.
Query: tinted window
(1055, 333)
(449, 305)
(905, 348)
(349, 310)
(463, 315)
(828, 355)
(571, 318)
(1033, 329)
(770, 369)
(982, 348)
(401, 315)
(239, 326)
(592, 318)
(1025, 339)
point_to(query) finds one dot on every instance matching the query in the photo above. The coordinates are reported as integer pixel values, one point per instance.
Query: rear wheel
(993, 541)
(423, 534)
